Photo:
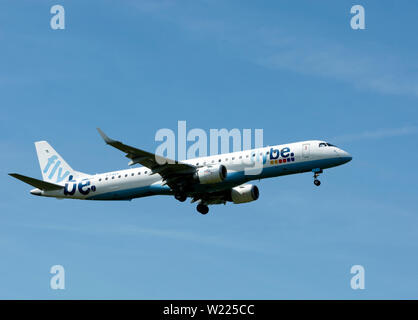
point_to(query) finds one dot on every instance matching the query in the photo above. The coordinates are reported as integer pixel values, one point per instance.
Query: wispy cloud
(377, 134)
(135, 231)
(364, 65)
(365, 69)
(152, 6)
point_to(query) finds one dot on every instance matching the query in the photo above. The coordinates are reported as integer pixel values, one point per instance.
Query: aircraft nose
(345, 155)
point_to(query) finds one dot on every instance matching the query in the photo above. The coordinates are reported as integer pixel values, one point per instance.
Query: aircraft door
(306, 151)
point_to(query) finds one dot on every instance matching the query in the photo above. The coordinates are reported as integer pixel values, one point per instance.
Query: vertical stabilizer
(53, 167)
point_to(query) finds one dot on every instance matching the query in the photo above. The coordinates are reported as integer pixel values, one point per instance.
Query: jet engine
(213, 174)
(244, 193)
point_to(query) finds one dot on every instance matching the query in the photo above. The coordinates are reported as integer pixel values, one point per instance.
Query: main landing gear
(316, 175)
(180, 197)
(202, 208)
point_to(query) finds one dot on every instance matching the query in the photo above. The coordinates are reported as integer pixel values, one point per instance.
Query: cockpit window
(326, 144)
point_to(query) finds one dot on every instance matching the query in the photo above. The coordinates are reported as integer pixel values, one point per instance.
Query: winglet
(105, 137)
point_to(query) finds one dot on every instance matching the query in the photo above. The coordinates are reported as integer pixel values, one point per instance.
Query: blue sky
(293, 68)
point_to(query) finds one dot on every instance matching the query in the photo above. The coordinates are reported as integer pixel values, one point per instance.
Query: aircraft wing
(167, 168)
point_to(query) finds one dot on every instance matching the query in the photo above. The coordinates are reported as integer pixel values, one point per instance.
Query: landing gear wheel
(316, 172)
(180, 197)
(202, 208)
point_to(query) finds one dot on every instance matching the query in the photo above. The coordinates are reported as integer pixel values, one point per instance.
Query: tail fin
(53, 166)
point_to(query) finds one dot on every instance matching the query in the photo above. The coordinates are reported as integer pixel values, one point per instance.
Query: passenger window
(126, 175)
(219, 160)
(113, 177)
(132, 174)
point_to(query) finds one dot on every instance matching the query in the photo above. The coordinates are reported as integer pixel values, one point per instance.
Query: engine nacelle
(244, 193)
(208, 175)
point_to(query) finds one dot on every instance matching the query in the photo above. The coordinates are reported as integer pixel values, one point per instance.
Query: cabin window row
(120, 176)
(204, 163)
(233, 158)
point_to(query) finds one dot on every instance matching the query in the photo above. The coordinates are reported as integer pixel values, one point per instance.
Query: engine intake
(244, 193)
(208, 175)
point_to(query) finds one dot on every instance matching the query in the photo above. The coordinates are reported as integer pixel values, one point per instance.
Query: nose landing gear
(316, 175)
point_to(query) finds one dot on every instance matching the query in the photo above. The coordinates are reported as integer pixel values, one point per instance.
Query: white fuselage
(241, 167)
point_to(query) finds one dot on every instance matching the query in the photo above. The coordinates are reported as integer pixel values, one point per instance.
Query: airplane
(210, 180)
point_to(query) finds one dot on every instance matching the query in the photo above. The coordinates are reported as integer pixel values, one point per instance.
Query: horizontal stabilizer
(43, 185)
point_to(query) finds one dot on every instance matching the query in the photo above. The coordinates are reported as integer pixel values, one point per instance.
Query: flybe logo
(281, 156)
(56, 169)
(83, 187)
